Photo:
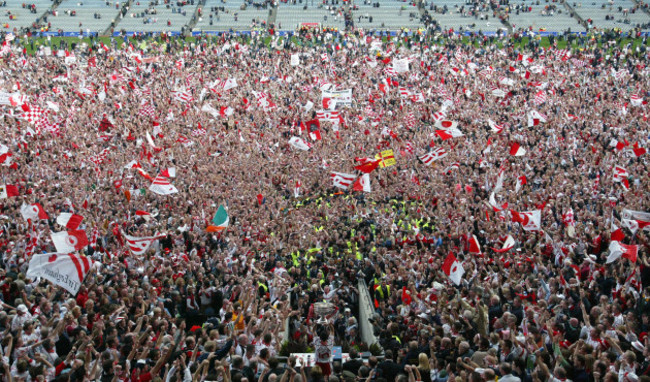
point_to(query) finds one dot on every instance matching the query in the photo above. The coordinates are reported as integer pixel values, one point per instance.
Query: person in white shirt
(22, 316)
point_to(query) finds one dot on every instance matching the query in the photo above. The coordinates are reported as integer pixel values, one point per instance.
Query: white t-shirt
(323, 350)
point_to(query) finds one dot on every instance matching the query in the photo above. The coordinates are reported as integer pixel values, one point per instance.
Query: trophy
(324, 310)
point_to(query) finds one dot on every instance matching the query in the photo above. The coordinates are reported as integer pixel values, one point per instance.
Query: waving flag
(508, 244)
(521, 181)
(540, 97)
(621, 176)
(362, 184)
(453, 269)
(66, 270)
(162, 186)
(367, 167)
(618, 250)
(517, 150)
(7, 191)
(182, 96)
(33, 212)
(70, 241)
(140, 245)
(494, 127)
(449, 133)
(386, 158)
(530, 221)
(69, 221)
(432, 156)
(446, 124)
(299, 143)
(342, 180)
(220, 220)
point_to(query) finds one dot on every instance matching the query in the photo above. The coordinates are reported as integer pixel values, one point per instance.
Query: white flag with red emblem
(33, 212)
(342, 180)
(66, 270)
(453, 269)
(299, 143)
(69, 221)
(618, 250)
(449, 133)
(140, 245)
(530, 220)
(70, 241)
(162, 186)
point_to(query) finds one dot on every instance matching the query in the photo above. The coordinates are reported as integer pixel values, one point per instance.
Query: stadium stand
(83, 15)
(97, 16)
(292, 13)
(234, 14)
(15, 15)
(156, 16)
(544, 17)
(389, 14)
(622, 14)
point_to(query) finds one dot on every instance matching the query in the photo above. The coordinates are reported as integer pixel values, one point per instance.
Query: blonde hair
(423, 362)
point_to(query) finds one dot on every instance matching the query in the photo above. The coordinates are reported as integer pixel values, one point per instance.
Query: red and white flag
(162, 186)
(521, 181)
(69, 221)
(568, 218)
(33, 212)
(182, 96)
(8, 190)
(494, 127)
(362, 183)
(140, 245)
(70, 241)
(635, 224)
(432, 156)
(618, 250)
(620, 175)
(449, 133)
(169, 172)
(535, 118)
(517, 150)
(328, 116)
(508, 244)
(342, 180)
(446, 124)
(453, 269)
(636, 100)
(145, 215)
(66, 270)
(530, 220)
(540, 97)
(474, 246)
(299, 143)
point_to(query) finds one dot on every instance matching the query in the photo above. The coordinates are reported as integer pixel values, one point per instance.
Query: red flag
(368, 167)
(8, 190)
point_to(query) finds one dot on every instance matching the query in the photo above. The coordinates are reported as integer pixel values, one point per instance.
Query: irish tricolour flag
(220, 220)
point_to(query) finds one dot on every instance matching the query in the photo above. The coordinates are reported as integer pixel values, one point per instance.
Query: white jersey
(323, 350)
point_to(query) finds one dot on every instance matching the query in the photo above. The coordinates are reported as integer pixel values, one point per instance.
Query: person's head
(237, 362)
(423, 362)
(505, 368)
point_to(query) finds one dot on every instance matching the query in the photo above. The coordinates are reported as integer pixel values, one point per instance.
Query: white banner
(340, 96)
(65, 270)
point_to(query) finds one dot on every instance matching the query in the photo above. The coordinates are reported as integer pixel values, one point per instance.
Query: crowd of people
(490, 198)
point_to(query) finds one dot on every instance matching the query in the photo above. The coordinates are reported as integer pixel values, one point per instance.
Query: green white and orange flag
(220, 221)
